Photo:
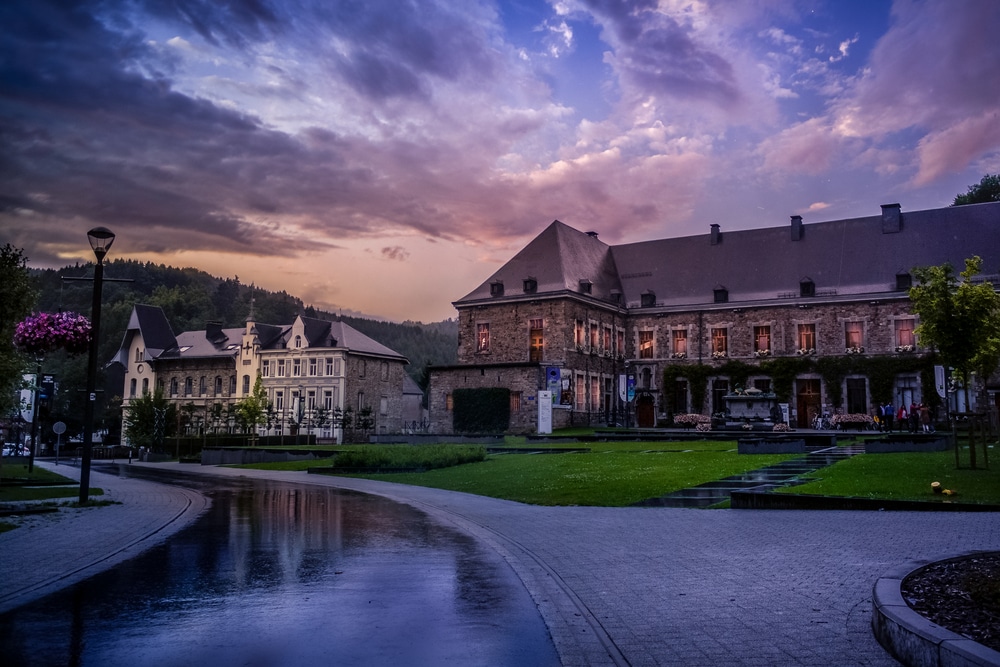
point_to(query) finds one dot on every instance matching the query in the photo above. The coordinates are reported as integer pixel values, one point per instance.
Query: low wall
(771, 446)
(905, 442)
(236, 456)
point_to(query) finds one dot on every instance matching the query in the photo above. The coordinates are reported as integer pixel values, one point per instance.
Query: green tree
(252, 410)
(986, 190)
(959, 318)
(149, 419)
(16, 300)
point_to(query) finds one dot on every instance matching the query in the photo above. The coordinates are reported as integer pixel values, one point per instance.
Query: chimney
(214, 333)
(892, 219)
(796, 227)
(592, 235)
(716, 234)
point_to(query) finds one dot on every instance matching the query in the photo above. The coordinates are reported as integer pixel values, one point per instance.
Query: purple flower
(46, 332)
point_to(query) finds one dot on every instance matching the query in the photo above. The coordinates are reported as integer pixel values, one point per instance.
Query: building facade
(636, 333)
(311, 370)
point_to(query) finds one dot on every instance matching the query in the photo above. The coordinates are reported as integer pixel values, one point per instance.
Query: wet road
(277, 574)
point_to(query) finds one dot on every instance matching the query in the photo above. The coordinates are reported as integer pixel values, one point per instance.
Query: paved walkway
(664, 586)
(51, 551)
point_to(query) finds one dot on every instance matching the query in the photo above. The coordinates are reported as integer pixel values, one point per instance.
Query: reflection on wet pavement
(281, 575)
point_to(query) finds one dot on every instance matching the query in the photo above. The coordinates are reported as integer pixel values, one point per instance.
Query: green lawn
(610, 475)
(616, 474)
(906, 477)
(15, 478)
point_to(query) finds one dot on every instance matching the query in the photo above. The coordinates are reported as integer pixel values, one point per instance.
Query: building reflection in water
(282, 575)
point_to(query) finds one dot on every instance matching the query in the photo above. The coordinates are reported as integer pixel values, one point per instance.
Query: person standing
(914, 417)
(925, 418)
(901, 417)
(888, 412)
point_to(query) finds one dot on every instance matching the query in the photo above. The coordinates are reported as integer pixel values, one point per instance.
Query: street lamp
(100, 239)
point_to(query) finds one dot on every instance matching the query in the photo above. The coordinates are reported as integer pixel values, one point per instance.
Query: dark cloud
(658, 56)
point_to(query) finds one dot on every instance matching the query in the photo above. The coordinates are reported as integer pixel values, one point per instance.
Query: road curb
(913, 639)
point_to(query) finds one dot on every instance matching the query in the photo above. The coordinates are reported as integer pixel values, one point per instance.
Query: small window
(807, 338)
(648, 299)
(807, 287)
(530, 285)
(483, 337)
(232, 385)
(854, 336)
(218, 385)
(904, 281)
(515, 401)
(586, 287)
(905, 340)
(762, 340)
(721, 295)
(145, 386)
(496, 288)
(298, 341)
(246, 385)
(132, 388)
(312, 367)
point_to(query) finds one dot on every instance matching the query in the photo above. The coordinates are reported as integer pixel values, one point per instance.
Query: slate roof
(157, 335)
(198, 344)
(844, 259)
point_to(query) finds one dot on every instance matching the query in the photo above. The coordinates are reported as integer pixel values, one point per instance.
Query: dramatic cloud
(318, 141)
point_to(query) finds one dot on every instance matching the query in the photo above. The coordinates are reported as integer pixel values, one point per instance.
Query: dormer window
(298, 342)
(616, 296)
(647, 299)
(904, 281)
(530, 285)
(496, 288)
(586, 287)
(721, 294)
(807, 287)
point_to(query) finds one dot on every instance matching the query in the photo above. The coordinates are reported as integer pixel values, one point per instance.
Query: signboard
(545, 412)
(28, 399)
(553, 384)
(939, 381)
(626, 387)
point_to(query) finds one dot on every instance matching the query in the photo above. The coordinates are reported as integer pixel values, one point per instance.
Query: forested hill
(190, 298)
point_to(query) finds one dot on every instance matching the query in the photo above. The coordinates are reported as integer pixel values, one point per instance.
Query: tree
(149, 419)
(252, 410)
(986, 190)
(960, 319)
(16, 300)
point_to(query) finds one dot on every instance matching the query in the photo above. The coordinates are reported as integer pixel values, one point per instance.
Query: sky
(385, 157)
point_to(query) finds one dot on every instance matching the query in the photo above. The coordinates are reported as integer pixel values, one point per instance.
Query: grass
(15, 484)
(610, 475)
(615, 474)
(905, 476)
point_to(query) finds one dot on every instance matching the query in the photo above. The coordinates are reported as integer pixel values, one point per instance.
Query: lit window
(680, 342)
(645, 344)
(515, 401)
(762, 339)
(807, 337)
(536, 340)
(905, 339)
(581, 393)
(853, 335)
(578, 334)
(720, 342)
(593, 337)
(483, 337)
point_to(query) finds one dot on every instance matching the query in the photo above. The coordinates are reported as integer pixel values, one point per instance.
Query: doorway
(645, 412)
(807, 402)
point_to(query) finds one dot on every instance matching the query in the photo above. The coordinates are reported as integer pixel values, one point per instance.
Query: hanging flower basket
(48, 332)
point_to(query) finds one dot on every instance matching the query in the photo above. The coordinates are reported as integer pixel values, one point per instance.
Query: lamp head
(100, 239)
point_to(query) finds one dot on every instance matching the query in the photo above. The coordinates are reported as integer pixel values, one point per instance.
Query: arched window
(298, 341)
(131, 388)
(246, 385)
(232, 385)
(218, 385)
(188, 386)
(145, 386)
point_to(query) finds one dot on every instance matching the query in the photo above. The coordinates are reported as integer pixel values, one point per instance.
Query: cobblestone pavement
(662, 586)
(50, 551)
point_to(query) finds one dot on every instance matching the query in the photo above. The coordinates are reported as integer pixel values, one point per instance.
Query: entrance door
(645, 416)
(807, 402)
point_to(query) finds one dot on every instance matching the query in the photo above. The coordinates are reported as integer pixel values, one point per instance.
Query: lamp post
(100, 239)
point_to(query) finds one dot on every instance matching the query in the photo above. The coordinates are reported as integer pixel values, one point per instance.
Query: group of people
(915, 418)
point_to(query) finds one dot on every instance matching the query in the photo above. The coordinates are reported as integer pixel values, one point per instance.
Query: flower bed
(853, 420)
(48, 332)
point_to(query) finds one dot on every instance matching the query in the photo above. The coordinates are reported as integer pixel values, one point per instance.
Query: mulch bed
(960, 595)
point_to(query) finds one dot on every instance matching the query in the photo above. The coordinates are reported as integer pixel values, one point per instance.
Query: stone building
(310, 369)
(818, 313)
